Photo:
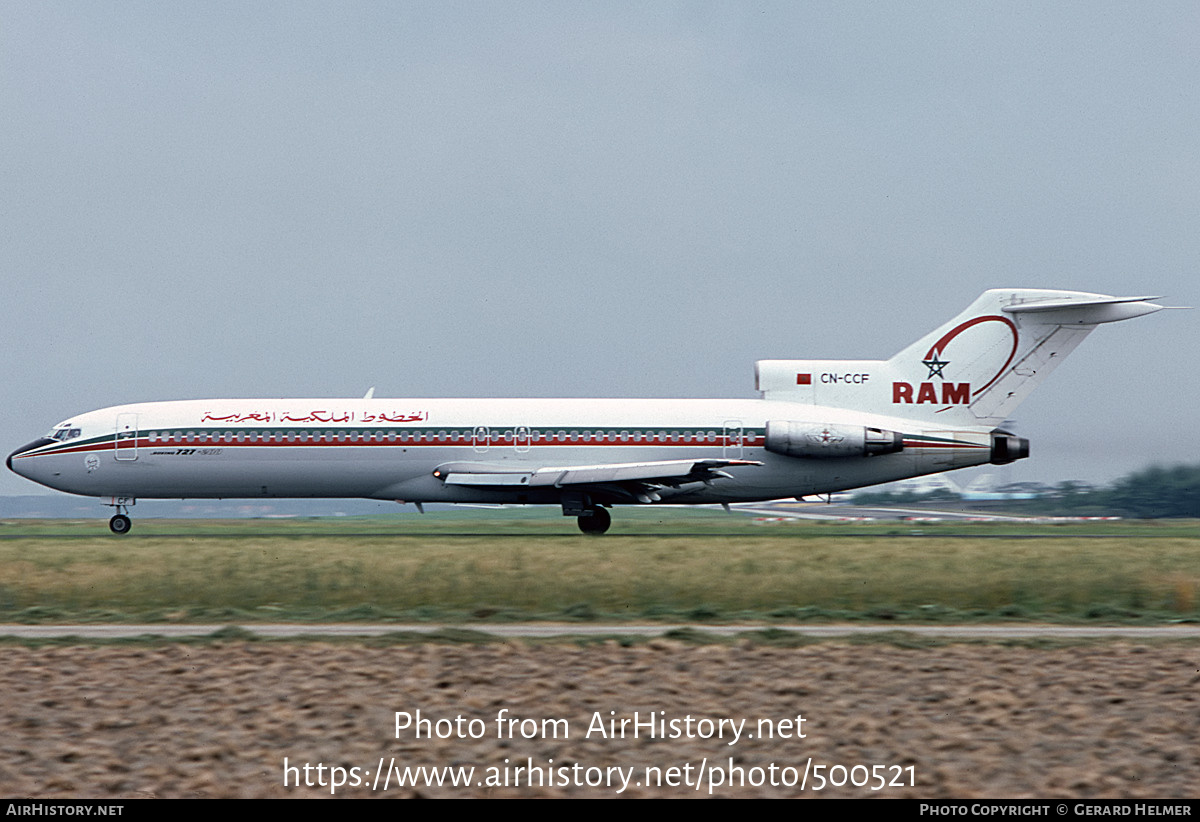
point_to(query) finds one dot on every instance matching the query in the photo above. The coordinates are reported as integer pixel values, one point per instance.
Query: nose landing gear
(120, 523)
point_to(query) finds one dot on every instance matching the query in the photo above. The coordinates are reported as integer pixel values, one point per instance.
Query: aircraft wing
(663, 472)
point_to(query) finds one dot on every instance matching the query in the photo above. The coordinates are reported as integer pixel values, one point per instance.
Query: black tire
(597, 523)
(120, 524)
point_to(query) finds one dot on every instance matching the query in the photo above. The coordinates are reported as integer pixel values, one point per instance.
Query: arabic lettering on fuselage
(326, 417)
(417, 416)
(318, 416)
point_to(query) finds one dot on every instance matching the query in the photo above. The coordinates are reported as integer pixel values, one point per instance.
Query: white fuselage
(390, 449)
(821, 426)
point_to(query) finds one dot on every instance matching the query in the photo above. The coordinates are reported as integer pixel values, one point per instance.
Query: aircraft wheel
(120, 524)
(597, 523)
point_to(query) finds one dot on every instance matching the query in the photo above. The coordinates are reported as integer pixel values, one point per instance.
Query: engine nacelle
(821, 441)
(1007, 448)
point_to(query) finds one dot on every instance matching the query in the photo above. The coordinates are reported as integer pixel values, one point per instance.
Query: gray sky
(590, 199)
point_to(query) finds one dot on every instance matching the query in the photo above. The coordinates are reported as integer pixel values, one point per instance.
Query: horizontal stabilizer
(1085, 310)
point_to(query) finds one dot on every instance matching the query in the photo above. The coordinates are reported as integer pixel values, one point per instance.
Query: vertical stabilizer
(972, 371)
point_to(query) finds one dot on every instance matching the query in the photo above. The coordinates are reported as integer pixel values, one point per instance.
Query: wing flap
(692, 470)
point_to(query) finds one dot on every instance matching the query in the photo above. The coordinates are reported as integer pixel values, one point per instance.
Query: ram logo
(953, 393)
(969, 348)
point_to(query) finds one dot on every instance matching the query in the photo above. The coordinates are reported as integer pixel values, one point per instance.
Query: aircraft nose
(23, 449)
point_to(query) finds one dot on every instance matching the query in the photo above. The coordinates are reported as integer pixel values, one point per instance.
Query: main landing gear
(596, 523)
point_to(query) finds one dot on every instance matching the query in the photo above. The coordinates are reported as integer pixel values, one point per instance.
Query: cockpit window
(63, 434)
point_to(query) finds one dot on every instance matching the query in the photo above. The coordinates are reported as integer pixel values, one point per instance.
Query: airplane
(819, 426)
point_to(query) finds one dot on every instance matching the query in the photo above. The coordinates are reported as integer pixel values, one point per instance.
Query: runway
(551, 630)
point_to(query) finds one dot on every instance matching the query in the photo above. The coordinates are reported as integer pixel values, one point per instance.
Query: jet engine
(812, 439)
(1007, 448)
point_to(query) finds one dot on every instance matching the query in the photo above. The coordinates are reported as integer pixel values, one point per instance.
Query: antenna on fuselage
(370, 393)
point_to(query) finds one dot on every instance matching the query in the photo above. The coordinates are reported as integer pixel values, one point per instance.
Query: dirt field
(1118, 720)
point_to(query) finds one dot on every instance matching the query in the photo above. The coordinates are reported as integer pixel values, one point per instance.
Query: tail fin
(973, 371)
